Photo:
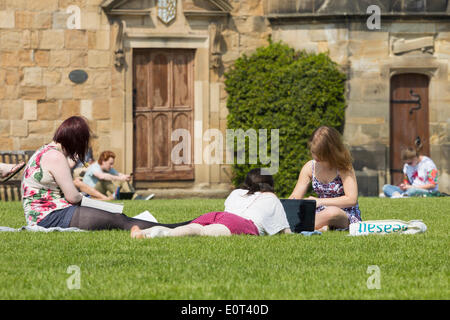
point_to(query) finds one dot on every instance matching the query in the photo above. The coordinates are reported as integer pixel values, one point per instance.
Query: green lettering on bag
(362, 226)
(387, 228)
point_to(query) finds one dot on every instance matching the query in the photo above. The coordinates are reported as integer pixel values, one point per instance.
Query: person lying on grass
(253, 209)
(50, 198)
(333, 180)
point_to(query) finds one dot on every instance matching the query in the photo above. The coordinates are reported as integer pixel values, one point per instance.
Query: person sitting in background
(104, 178)
(78, 180)
(420, 175)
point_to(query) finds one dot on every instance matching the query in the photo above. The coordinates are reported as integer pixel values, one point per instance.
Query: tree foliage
(293, 91)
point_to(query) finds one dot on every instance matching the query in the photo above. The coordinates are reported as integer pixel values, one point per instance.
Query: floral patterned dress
(332, 190)
(41, 194)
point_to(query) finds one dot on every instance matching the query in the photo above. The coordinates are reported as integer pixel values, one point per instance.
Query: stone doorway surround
(201, 62)
(437, 72)
(193, 28)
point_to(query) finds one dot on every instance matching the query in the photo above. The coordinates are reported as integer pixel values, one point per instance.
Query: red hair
(74, 135)
(105, 155)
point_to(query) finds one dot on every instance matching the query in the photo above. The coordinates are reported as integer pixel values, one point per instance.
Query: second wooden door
(409, 118)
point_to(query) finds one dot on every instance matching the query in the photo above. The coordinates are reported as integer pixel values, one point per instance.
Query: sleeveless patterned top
(41, 194)
(334, 189)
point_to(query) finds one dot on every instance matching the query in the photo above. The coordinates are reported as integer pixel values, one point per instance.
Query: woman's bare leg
(192, 229)
(331, 217)
(195, 229)
(216, 230)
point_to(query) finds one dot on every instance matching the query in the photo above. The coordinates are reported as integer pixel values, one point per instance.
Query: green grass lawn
(331, 266)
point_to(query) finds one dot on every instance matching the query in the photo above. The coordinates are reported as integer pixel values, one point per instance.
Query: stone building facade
(408, 50)
(156, 66)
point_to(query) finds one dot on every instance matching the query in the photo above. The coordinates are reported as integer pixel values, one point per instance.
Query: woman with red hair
(50, 198)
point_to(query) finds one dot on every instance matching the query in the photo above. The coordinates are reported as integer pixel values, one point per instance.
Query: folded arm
(432, 180)
(427, 186)
(350, 197)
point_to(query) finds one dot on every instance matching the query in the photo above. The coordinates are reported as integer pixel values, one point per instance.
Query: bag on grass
(386, 227)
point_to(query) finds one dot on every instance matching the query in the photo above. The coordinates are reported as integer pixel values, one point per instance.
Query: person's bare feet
(136, 233)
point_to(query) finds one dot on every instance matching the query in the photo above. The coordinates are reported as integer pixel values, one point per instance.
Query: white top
(263, 209)
(423, 173)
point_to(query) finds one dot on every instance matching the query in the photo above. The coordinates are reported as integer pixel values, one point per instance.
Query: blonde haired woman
(333, 180)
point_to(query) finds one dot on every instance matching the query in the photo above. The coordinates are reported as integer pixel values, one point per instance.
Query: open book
(146, 216)
(102, 205)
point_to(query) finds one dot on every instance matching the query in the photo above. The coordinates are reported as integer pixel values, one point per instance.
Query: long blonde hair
(326, 144)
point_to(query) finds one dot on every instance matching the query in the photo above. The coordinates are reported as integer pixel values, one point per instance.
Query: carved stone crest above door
(167, 10)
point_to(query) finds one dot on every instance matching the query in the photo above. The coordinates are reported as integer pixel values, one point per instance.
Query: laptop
(301, 214)
(126, 195)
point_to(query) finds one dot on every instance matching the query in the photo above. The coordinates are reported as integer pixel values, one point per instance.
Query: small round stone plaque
(78, 76)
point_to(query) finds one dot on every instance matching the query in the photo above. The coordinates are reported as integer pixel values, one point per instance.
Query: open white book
(146, 216)
(102, 205)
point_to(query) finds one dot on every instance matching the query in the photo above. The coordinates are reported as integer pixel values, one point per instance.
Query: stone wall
(247, 29)
(38, 50)
(37, 53)
(369, 60)
(350, 7)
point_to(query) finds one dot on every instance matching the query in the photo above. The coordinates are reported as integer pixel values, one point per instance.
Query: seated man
(83, 187)
(104, 178)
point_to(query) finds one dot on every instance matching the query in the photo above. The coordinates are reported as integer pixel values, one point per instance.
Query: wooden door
(163, 100)
(409, 118)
